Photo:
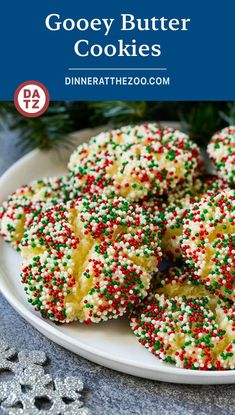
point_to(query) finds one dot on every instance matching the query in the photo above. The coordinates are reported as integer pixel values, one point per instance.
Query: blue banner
(135, 50)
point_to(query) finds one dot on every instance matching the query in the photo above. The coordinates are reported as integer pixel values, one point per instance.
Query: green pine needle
(229, 114)
(45, 132)
(119, 111)
(199, 119)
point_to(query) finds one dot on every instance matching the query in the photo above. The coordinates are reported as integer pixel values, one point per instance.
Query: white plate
(110, 344)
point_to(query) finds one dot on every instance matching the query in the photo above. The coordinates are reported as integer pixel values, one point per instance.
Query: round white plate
(110, 344)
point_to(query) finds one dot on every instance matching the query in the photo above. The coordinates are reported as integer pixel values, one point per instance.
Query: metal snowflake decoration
(33, 392)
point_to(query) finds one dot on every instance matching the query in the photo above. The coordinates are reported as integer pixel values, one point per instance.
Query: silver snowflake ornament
(33, 392)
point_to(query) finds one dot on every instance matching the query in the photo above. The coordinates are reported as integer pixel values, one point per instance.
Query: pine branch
(45, 132)
(229, 114)
(201, 122)
(119, 111)
(199, 119)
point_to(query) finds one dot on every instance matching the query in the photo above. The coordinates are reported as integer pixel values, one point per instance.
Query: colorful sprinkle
(28, 201)
(194, 332)
(221, 150)
(135, 162)
(208, 242)
(179, 200)
(90, 260)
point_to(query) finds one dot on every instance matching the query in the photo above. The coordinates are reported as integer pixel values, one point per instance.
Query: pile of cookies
(92, 241)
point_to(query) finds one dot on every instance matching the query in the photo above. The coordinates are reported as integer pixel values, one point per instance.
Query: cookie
(181, 325)
(208, 242)
(179, 281)
(221, 150)
(28, 200)
(89, 260)
(135, 162)
(179, 201)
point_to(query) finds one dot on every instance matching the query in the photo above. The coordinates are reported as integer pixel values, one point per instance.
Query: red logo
(31, 99)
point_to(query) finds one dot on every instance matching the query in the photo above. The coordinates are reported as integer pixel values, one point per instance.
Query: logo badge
(31, 99)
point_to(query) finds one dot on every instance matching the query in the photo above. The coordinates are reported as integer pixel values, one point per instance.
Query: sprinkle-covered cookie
(155, 206)
(179, 200)
(28, 200)
(221, 150)
(208, 242)
(89, 260)
(179, 281)
(135, 162)
(191, 329)
(225, 317)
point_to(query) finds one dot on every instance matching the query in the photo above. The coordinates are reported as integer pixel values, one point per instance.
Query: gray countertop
(107, 391)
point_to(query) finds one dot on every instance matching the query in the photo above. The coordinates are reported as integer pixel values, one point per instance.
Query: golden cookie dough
(135, 162)
(22, 205)
(90, 260)
(208, 242)
(221, 150)
(179, 201)
(185, 327)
